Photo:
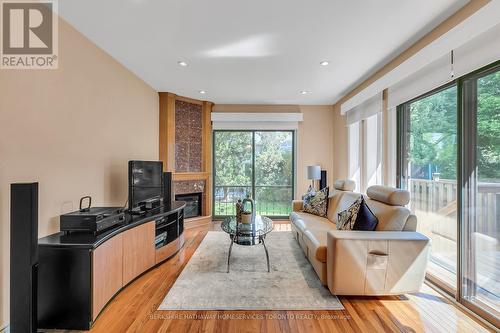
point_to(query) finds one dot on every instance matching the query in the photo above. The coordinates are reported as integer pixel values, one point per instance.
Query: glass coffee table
(247, 234)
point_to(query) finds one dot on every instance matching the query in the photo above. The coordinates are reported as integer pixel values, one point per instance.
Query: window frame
(253, 184)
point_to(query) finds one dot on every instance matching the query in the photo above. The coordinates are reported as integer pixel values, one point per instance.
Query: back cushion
(340, 203)
(390, 218)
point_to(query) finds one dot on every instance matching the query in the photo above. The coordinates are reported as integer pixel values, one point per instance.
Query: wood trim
(207, 156)
(458, 17)
(188, 100)
(138, 250)
(167, 131)
(163, 112)
(190, 176)
(107, 268)
(167, 144)
(194, 222)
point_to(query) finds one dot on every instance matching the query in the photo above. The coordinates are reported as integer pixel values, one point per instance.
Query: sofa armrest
(376, 262)
(297, 205)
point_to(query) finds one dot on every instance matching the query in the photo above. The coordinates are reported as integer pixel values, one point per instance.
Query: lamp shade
(314, 172)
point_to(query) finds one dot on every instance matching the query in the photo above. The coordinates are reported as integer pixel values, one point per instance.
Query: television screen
(145, 181)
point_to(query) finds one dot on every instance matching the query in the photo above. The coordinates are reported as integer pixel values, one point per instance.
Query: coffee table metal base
(261, 240)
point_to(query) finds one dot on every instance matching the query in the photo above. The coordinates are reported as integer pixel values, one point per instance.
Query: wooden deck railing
(440, 196)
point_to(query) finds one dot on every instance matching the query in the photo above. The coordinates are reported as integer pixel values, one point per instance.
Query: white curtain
(256, 120)
(366, 109)
(365, 143)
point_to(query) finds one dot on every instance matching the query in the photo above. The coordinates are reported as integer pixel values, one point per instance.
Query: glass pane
(233, 170)
(482, 271)
(273, 172)
(432, 178)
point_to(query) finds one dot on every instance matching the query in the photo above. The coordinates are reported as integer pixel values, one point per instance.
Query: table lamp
(314, 173)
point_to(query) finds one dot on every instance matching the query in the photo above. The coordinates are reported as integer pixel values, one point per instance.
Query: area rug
(292, 283)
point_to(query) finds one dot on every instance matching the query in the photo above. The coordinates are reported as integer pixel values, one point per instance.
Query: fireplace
(193, 203)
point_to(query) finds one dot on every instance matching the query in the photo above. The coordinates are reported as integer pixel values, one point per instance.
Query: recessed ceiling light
(203, 92)
(303, 92)
(324, 63)
(182, 63)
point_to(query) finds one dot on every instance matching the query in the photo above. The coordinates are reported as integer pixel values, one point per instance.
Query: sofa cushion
(344, 201)
(315, 237)
(297, 219)
(317, 203)
(388, 195)
(333, 202)
(390, 218)
(344, 185)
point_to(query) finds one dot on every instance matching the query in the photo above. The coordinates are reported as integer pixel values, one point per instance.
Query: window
(429, 172)
(449, 160)
(365, 152)
(481, 186)
(255, 163)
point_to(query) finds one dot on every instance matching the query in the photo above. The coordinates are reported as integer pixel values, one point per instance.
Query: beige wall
(340, 156)
(72, 130)
(315, 138)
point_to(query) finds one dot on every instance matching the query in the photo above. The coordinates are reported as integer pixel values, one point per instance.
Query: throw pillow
(310, 193)
(357, 217)
(366, 220)
(316, 203)
(347, 218)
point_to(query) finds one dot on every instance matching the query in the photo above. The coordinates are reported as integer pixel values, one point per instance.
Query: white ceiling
(255, 51)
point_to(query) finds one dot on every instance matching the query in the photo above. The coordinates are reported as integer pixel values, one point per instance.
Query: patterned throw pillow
(347, 218)
(316, 203)
(310, 193)
(357, 217)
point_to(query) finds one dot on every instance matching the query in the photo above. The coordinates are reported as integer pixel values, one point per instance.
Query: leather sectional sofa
(388, 261)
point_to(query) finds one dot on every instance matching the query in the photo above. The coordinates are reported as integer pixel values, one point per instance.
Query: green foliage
(233, 158)
(488, 127)
(433, 131)
(273, 166)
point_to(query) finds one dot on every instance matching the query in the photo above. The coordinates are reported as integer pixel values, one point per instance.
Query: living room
(264, 166)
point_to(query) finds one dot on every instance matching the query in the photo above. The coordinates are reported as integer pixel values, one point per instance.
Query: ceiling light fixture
(324, 63)
(182, 63)
(303, 92)
(203, 92)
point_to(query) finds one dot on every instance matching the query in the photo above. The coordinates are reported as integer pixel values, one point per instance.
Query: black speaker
(323, 182)
(23, 257)
(167, 188)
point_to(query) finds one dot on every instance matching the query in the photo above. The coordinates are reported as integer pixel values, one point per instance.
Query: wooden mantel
(167, 104)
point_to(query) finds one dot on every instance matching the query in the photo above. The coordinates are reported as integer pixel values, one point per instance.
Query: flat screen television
(145, 182)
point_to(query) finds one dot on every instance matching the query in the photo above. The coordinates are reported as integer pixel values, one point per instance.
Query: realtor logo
(29, 34)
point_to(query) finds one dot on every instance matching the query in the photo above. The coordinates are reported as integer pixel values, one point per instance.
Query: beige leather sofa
(388, 261)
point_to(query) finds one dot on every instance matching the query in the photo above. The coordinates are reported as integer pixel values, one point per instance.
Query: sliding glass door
(428, 167)
(449, 160)
(255, 163)
(481, 184)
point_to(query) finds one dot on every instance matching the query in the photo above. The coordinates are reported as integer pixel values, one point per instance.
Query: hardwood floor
(134, 309)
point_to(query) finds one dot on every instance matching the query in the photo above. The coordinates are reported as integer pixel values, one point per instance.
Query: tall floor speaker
(23, 257)
(323, 182)
(167, 188)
